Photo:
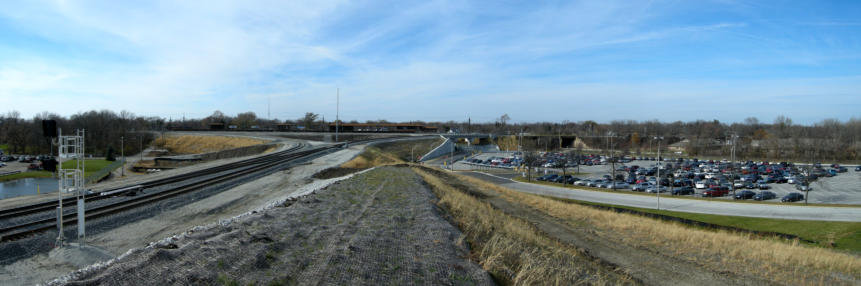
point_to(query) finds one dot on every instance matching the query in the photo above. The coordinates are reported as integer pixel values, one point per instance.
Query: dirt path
(379, 228)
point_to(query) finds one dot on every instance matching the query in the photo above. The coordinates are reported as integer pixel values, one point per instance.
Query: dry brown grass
(512, 250)
(372, 156)
(790, 263)
(192, 144)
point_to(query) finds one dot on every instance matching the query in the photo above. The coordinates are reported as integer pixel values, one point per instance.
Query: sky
(436, 60)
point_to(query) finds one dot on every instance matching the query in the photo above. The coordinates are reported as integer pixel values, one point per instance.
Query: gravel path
(380, 227)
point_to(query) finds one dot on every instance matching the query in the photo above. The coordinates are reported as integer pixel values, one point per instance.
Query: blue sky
(436, 60)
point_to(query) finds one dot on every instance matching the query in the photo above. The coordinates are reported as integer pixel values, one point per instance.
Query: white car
(700, 185)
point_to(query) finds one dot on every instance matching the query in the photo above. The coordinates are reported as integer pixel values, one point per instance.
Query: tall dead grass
(776, 260)
(370, 157)
(192, 144)
(512, 250)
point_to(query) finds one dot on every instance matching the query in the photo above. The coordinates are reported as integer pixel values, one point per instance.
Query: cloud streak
(423, 60)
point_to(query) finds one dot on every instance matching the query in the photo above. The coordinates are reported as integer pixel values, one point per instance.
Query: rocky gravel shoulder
(379, 227)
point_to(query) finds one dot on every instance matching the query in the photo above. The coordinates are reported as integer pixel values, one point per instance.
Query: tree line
(829, 140)
(103, 130)
(782, 139)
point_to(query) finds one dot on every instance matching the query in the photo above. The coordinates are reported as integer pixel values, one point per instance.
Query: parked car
(582, 182)
(686, 190)
(764, 195)
(715, 192)
(548, 178)
(764, 186)
(656, 189)
(743, 195)
(641, 187)
(858, 169)
(792, 197)
(621, 185)
(803, 187)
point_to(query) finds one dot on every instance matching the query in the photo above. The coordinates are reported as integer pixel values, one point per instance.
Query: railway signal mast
(71, 180)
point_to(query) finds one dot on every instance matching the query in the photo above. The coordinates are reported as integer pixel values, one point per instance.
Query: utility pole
(337, 112)
(658, 179)
(123, 154)
(140, 139)
(732, 167)
(612, 160)
(520, 145)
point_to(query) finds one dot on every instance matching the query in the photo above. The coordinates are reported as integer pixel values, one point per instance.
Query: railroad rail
(241, 169)
(52, 204)
(256, 164)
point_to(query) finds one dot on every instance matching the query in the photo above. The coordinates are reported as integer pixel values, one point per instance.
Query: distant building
(383, 127)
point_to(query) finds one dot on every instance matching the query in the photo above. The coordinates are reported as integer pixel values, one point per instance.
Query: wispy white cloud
(424, 60)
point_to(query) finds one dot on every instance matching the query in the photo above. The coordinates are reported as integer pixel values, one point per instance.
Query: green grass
(4, 147)
(845, 235)
(90, 165)
(27, 174)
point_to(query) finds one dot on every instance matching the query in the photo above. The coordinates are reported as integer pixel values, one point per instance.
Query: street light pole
(658, 179)
(337, 112)
(123, 154)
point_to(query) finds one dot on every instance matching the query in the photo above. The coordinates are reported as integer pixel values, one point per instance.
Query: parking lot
(844, 188)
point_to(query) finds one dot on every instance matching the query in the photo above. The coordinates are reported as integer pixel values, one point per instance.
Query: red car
(716, 192)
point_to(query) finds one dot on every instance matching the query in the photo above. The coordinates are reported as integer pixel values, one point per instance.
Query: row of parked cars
(24, 158)
(510, 161)
(710, 178)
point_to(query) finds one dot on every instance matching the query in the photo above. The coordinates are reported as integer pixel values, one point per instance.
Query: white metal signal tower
(71, 180)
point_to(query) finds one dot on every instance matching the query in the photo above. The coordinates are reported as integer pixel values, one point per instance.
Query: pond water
(27, 186)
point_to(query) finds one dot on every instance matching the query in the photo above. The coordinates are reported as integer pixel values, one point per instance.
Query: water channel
(27, 186)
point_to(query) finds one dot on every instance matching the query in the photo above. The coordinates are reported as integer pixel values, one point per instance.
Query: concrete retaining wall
(441, 150)
(185, 160)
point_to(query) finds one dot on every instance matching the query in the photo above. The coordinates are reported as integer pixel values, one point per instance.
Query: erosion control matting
(377, 228)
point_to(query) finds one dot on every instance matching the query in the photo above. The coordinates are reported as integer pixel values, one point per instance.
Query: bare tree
(309, 119)
(529, 160)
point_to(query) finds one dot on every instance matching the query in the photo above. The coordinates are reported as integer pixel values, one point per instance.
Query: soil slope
(379, 227)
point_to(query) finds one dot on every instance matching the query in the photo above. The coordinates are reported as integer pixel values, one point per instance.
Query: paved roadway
(717, 207)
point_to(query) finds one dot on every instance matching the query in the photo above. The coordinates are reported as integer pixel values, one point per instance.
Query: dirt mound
(377, 228)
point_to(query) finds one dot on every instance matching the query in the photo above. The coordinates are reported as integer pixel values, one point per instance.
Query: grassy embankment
(26, 174)
(512, 250)
(381, 154)
(193, 144)
(775, 259)
(839, 235)
(515, 253)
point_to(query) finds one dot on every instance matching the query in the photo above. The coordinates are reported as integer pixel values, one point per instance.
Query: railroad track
(250, 166)
(52, 204)
(242, 168)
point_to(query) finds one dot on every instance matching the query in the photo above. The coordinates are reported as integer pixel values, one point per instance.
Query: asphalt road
(717, 207)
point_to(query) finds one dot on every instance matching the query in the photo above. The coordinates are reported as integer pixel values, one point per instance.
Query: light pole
(337, 112)
(658, 179)
(612, 160)
(123, 154)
